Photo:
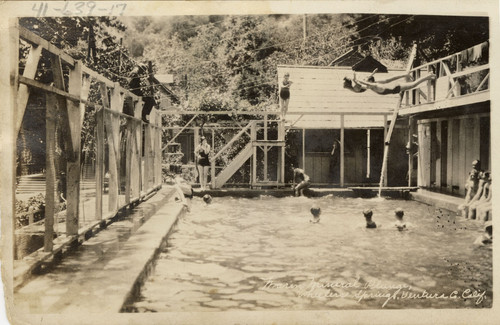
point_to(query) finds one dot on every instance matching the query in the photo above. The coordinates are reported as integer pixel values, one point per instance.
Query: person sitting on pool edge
(400, 224)
(368, 216)
(302, 180)
(381, 87)
(487, 236)
(207, 198)
(481, 196)
(316, 212)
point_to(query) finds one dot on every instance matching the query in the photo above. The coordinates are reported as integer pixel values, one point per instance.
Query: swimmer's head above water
(316, 212)
(207, 198)
(399, 213)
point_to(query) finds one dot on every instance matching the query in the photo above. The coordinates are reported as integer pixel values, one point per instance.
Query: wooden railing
(458, 76)
(66, 105)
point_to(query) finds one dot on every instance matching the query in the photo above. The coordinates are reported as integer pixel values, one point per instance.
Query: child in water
(207, 198)
(400, 224)
(368, 216)
(316, 212)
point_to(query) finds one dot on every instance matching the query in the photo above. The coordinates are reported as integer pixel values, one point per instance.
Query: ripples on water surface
(256, 254)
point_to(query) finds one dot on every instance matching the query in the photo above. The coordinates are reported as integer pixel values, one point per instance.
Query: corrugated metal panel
(320, 89)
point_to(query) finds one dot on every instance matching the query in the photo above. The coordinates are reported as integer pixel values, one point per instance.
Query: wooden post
(254, 145)
(99, 172)
(136, 172)
(386, 152)
(70, 113)
(449, 158)
(282, 138)
(50, 175)
(147, 156)
(368, 153)
(410, 151)
(437, 154)
(265, 148)
(8, 135)
(304, 149)
(342, 161)
(159, 154)
(75, 113)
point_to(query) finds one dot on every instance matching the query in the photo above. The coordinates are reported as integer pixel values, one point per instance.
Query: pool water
(264, 254)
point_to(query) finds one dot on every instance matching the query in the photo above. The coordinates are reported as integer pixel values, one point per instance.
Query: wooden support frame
(65, 113)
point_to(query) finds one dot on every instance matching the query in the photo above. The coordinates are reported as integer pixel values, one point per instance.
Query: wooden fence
(127, 151)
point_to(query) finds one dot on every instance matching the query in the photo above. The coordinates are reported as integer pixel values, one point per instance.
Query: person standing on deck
(302, 180)
(202, 155)
(285, 93)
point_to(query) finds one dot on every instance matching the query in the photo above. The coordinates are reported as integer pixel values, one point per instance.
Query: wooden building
(336, 135)
(450, 119)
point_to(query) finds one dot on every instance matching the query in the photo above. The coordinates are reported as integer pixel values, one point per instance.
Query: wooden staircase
(234, 165)
(250, 151)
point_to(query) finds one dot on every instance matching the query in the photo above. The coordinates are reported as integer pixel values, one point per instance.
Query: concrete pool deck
(102, 273)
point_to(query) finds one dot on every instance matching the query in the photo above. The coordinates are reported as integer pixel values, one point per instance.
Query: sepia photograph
(248, 162)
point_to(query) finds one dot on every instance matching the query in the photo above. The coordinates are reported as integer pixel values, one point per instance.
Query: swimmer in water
(316, 212)
(400, 224)
(207, 198)
(368, 216)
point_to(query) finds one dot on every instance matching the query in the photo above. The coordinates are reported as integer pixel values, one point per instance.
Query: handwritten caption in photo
(371, 290)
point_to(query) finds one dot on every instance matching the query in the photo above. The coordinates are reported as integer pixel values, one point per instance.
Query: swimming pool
(264, 254)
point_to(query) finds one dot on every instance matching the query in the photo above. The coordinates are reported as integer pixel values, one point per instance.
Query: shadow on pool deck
(111, 264)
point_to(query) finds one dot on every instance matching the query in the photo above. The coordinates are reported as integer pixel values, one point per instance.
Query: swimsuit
(395, 90)
(285, 91)
(203, 160)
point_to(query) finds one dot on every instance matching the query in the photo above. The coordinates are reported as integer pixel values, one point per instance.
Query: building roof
(317, 94)
(173, 98)
(359, 62)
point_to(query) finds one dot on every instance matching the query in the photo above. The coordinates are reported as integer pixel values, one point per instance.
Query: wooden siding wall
(320, 90)
(447, 147)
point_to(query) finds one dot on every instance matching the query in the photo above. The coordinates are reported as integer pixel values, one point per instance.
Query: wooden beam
(8, 136)
(265, 113)
(469, 99)
(437, 155)
(50, 174)
(383, 174)
(304, 149)
(23, 90)
(410, 146)
(265, 150)
(148, 158)
(37, 40)
(342, 158)
(450, 79)
(176, 135)
(99, 177)
(47, 88)
(75, 114)
(254, 161)
(128, 163)
(113, 150)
